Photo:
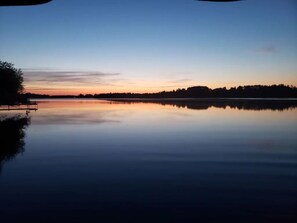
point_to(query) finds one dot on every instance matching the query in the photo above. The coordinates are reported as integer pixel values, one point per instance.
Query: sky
(101, 46)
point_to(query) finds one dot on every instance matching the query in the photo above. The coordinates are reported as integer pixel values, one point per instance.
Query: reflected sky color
(93, 160)
(151, 45)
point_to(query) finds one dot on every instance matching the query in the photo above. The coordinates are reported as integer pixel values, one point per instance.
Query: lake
(149, 161)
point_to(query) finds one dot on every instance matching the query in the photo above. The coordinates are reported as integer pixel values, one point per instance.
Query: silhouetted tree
(11, 84)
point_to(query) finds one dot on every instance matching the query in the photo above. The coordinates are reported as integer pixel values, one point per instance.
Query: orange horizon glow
(141, 88)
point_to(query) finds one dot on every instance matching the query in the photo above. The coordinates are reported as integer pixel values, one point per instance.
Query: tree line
(249, 91)
(11, 90)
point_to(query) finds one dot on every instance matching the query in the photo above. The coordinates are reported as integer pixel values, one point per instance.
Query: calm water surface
(102, 161)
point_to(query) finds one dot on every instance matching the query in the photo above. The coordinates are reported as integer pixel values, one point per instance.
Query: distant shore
(196, 92)
(275, 104)
(293, 100)
(200, 99)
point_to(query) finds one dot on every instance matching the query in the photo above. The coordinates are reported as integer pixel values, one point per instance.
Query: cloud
(74, 78)
(37, 69)
(180, 81)
(269, 49)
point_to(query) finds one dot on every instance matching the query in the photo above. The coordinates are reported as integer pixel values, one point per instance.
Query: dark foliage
(250, 91)
(11, 84)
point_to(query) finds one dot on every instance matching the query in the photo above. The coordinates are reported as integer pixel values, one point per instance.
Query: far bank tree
(11, 84)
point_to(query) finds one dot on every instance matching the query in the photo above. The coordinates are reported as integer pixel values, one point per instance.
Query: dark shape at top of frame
(22, 2)
(37, 2)
(218, 0)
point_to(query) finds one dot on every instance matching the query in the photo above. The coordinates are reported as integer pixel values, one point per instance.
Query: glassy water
(150, 161)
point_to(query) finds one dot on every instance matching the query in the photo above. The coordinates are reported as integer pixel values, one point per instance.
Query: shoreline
(197, 103)
(166, 99)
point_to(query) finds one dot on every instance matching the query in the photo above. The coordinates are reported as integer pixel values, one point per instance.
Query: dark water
(100, 161)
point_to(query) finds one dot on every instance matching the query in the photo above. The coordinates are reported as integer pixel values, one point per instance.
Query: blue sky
(88, 46)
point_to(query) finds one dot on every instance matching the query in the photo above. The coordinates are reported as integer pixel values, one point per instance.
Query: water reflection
(12, 132)
(74, 112)
(203, 104)
(109, 161)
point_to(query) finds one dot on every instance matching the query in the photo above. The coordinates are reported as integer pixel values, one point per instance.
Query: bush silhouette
(11, 84)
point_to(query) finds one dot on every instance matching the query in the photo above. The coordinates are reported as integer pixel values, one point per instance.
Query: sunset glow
(73, 47)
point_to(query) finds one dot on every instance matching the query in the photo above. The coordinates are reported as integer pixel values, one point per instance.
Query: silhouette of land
(249, 91)
(252, 97)
(12, 132)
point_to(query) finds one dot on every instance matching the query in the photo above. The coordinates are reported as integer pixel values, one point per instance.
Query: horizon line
(173, 90)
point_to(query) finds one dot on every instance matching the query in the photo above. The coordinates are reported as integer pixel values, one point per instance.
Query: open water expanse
(149, 161)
